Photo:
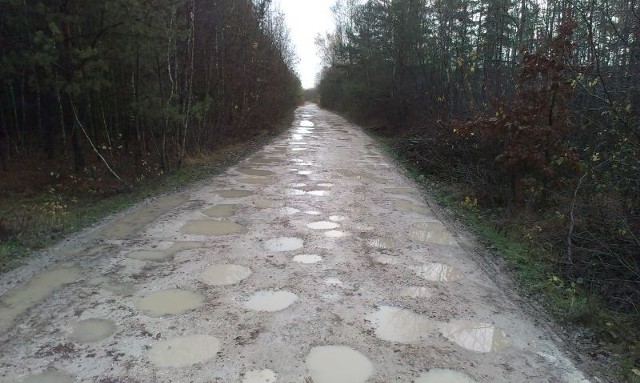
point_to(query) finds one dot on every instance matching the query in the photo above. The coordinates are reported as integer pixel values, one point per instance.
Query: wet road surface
(315, 260)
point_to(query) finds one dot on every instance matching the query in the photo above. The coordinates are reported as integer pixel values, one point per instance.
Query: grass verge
(600, 333)
(31, 222)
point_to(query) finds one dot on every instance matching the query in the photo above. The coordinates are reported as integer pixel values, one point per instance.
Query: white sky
(307, 18)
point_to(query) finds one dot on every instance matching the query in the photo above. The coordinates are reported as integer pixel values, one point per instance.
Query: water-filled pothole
(312, 212)
(92, 330)
(442, 375)
(307, 123)
(288, 210)
(338, 364)
(307, 258)
(184, 351)
(283, 244)
(337, 218)
(255, 172)
(256, 180)
(401, 190)
(322, 225)
(161, 255)
(410, 206)
(417, 292)
(438, 272)
(431, 232)
(383, 243)
(270, 301)
(394, 324)
(260, 376)
(211, 227)
(224, 274)
(17, 301)
(294, 192)
(169, 302)
(305, 172)
(221, 211)
(387, 260)
(233, 193)
(479, 337)
(50, 376)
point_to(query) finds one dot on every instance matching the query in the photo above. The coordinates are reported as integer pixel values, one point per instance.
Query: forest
(123, 89)
(531, 107)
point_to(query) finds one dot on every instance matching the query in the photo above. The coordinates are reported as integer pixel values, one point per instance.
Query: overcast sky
(307, 18)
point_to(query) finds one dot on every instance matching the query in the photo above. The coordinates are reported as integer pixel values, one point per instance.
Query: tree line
(128, 83)
(533, 105)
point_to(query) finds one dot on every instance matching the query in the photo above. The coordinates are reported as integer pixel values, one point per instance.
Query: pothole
(161, 255)
(184, 351)
(260, 376)
(394, 324)
(338, 364)
(416, 292)
(307, 258)
(221, 211)
(442, 375)
(305, 172)
(233, 193)
(211, 227)
(255, 172)
(479, 337)
(20, 299)
(294, 192)
(288, 210)
(401, 190)
(256, 180)
(438, 272)
(307, 124)
(312, 212)
(431, 232)
(386, 260)
(265, 204)
(50, 376)
(383, 243)
(283, 244)
(270, 301)
(224, 274)
(337, 218)
(410, 206)
(92, 330)
(169, 302)
(322, 225)
(325, 185)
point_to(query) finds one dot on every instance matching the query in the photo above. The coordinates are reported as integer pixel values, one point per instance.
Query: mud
(317, 265)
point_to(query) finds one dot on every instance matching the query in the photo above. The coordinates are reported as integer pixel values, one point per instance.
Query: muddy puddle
(322, 225)
(114, 286)
(478, 337)
(394, 324)
(305, 172)
(307, 124)
(312, 212)
(256, 180)
(270, 301)
(326, 185)
(234, 193)
(294, 192)
(50, 376)
(92, 330)
(431, 232)
(337, 218)
(211, 227)
(263, 160)
(283, 244)
(384, 243)
(338, 364)
(135, 221)
(224, 274)
(15, 302)
(438, 272)
(161, 255)
(221, 211)
(307, 258)
(260, 376)
(255, 172)
(416, 292)
(442, 375)
(400, 190)
(169, 302)
(184, 351)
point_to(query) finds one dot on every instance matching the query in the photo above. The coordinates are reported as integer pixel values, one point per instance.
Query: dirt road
(315, 260)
